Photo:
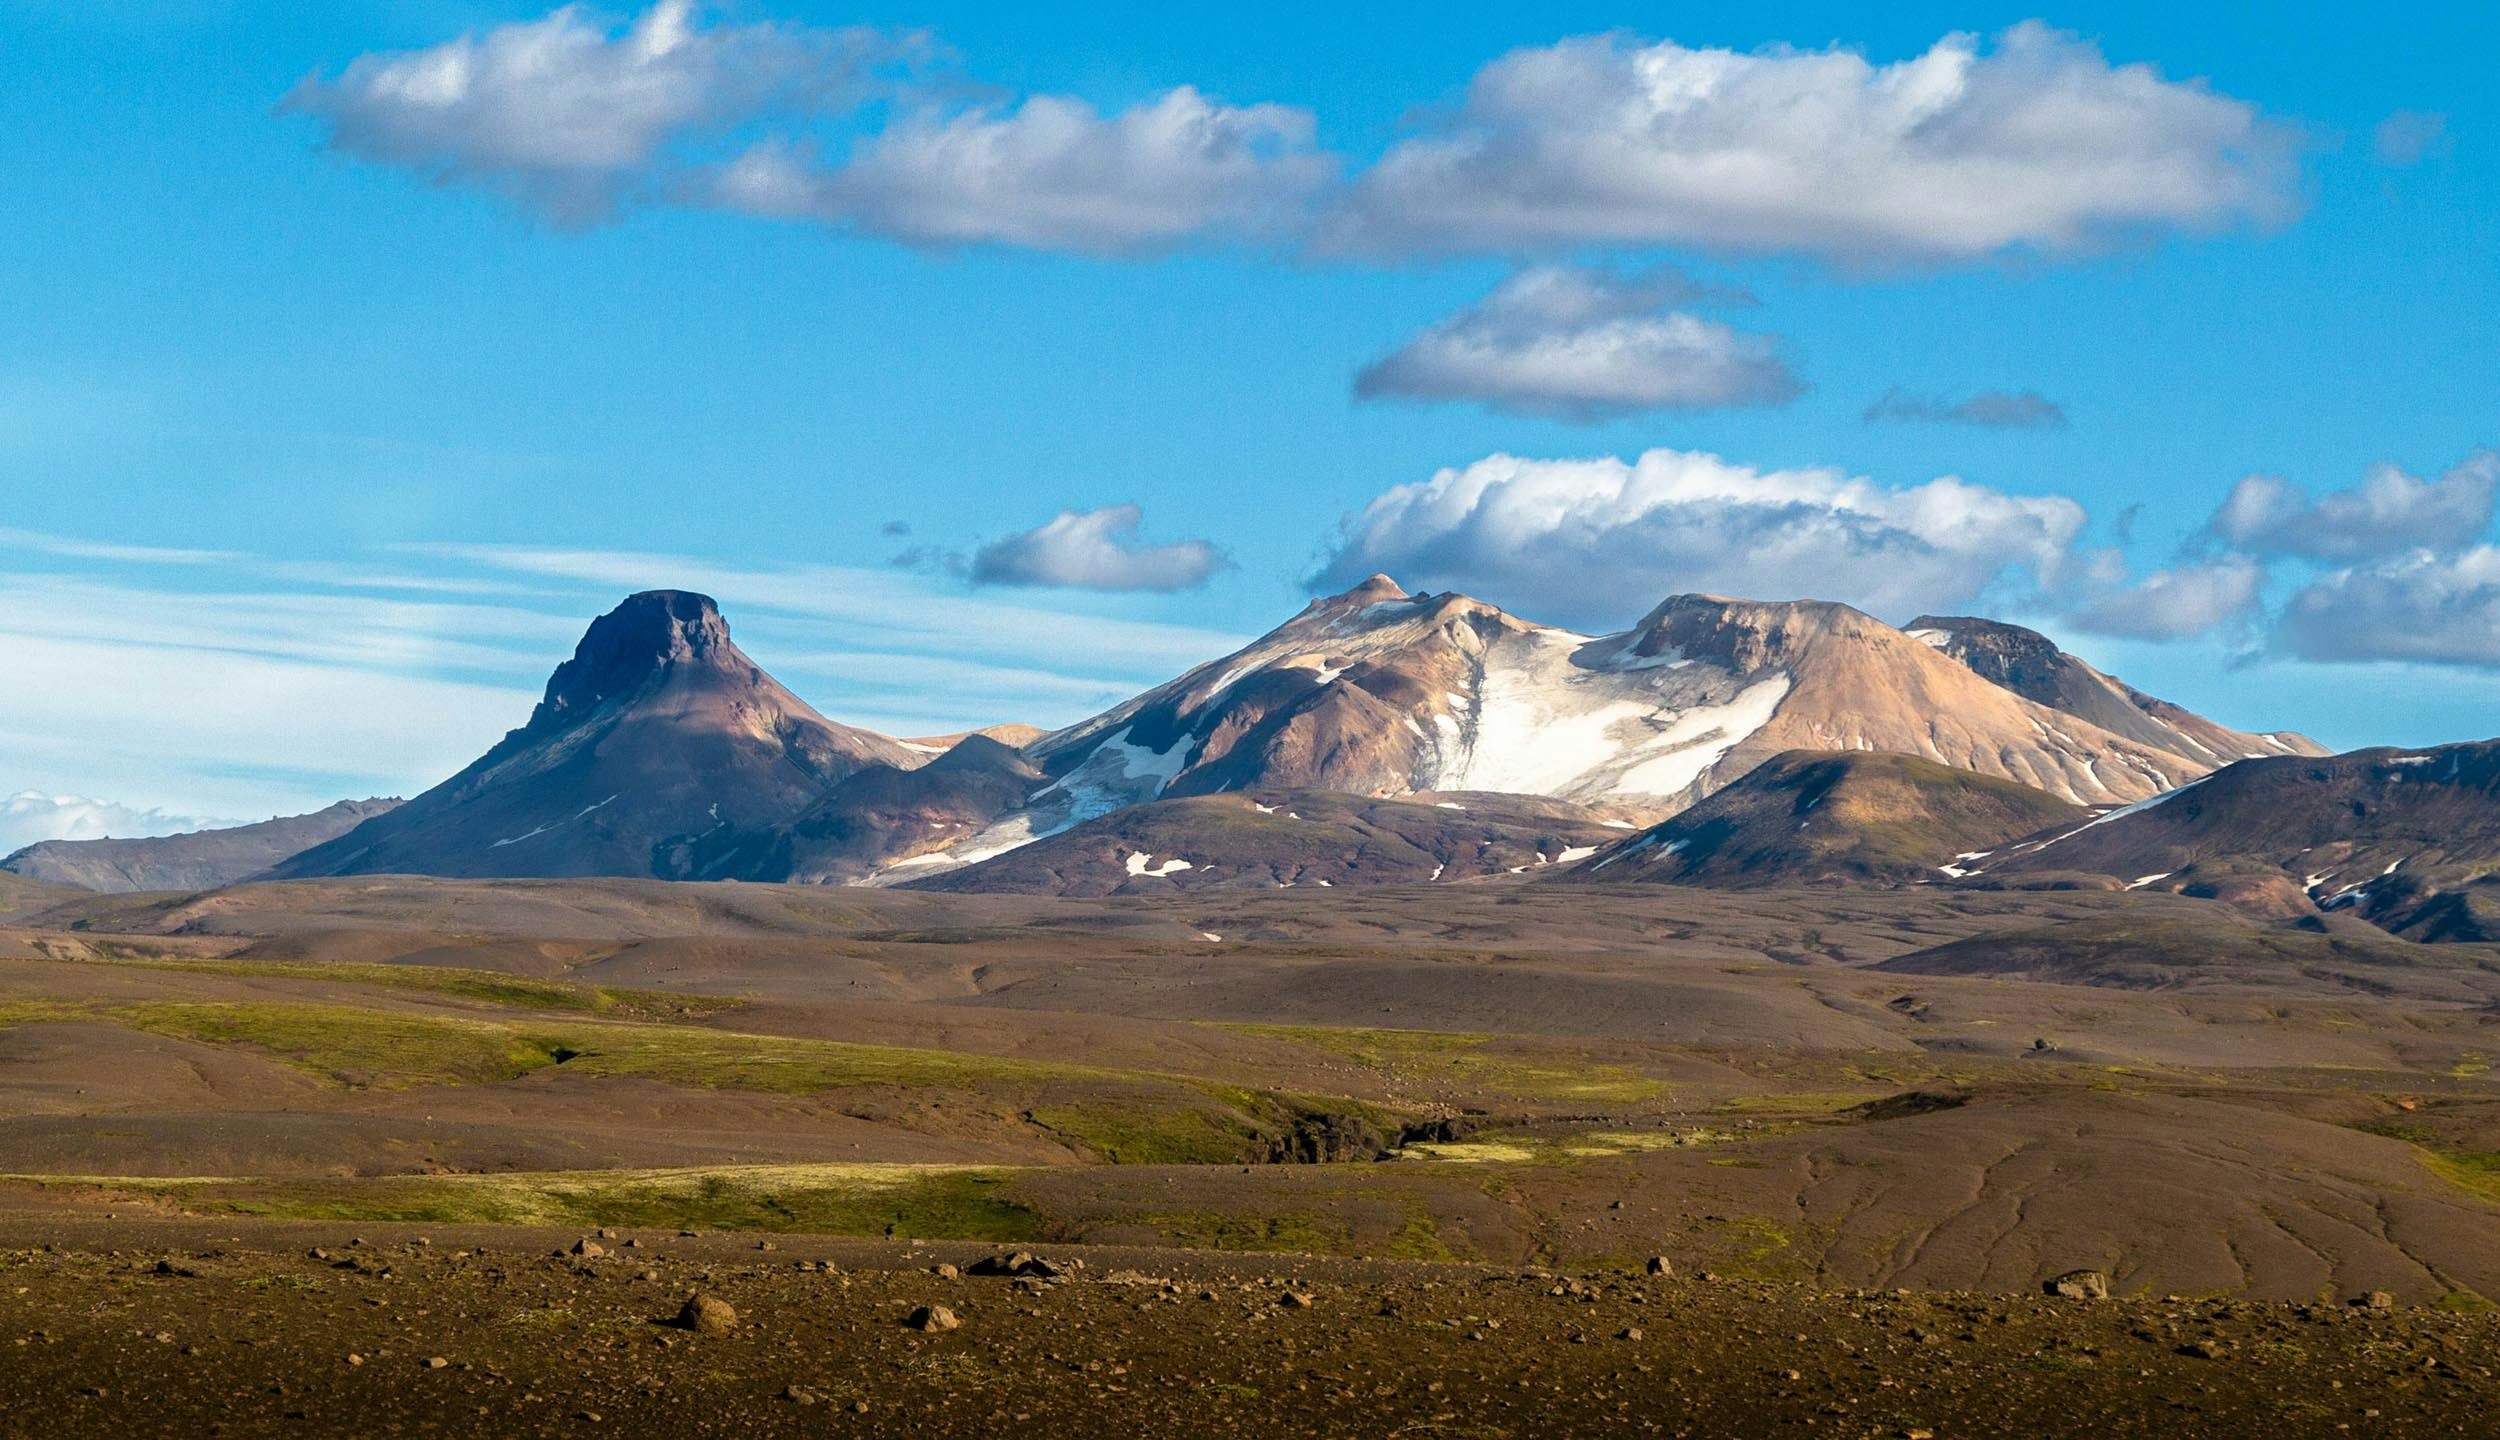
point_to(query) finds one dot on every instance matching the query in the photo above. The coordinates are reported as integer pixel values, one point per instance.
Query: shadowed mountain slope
(656, 743)
(1814, 817)
(1269, 838)
(2409, 839)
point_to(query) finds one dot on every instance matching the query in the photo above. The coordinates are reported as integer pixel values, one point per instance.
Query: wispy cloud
(1989, 409)
(72, 548)
(253, 686)
(2410, 137)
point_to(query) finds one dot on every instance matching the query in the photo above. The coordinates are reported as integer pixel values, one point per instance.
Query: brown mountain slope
(881, 817)
(656, 742)
(2030, 664)
(201, 860)
(1814, 817)
(1264, 839)
(2408, 839)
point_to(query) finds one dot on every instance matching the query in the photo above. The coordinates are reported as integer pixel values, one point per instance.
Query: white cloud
(1052, 174)
(1989, 409)
(567, 115)
(2423, 606)
(1584, 345)
(2178, 603)
(2390, 512)
(1591, 542)
(1095, 550)
(31, 816)
(2038, 143)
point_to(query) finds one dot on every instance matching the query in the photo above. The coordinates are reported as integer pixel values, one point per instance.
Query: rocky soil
(134, 1326)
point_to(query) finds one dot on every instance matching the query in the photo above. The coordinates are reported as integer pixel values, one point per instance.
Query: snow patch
(1138, 863)
(560, 824)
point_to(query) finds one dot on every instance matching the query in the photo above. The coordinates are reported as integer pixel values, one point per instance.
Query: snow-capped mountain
(1381, 693)
(657, 742)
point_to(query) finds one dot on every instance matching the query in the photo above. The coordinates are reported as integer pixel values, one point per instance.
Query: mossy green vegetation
(1465, 1062)
(1122, 1117)
(936, 1202)
(492, 987)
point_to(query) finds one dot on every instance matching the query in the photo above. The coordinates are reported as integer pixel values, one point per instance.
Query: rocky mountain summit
(656, 742)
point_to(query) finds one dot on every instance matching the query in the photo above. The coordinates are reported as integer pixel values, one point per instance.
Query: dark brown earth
(1394, 1098)
(144, 1327)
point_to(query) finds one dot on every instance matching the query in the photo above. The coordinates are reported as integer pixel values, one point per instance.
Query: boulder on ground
(2079, 1285)
(707, 1315)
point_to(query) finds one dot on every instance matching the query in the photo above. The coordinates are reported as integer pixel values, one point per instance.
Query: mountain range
(1380, 736)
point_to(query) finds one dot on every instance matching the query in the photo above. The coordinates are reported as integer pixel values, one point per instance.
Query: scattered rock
(932, 1318)
(1297, 1300)
(589, 1249)
(1661, 1265)
(707, 1315)
(2079, 1285)
(2378, 1300)
(945, 1272)
(1020, 1264)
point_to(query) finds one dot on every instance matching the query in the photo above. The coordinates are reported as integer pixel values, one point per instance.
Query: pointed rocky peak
(640, 639)
(1371, 592)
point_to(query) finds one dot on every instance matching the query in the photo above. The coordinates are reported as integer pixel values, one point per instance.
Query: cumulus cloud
(2422, 606)
(2390, 512)
(569, 116)
(1095, 550)
(2409, 137)
(1590, 542)
(1990, 409)
(30, 817)
(1587, 345)
(2177, 603)
(1052, 174)
(2037, 143)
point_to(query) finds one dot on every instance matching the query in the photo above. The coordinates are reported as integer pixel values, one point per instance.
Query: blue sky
(317, 453)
